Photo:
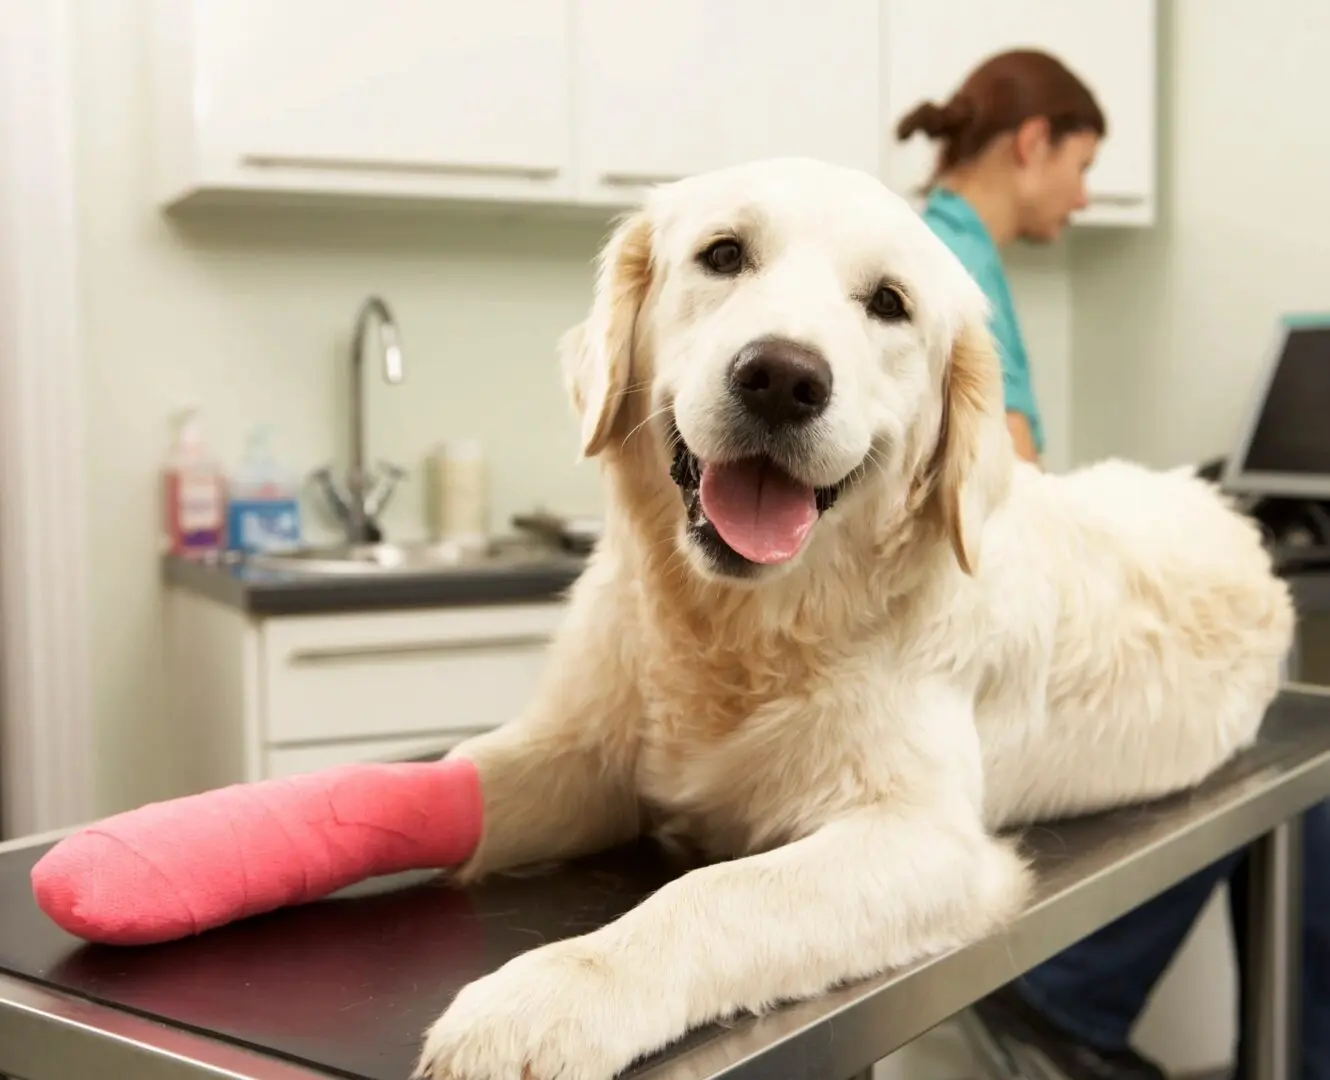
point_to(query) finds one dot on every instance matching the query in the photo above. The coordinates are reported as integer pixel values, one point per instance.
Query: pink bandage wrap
(171, 869)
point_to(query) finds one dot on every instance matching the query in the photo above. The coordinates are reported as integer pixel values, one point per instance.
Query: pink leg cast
(171, 869)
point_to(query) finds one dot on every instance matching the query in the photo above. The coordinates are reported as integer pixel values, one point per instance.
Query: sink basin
(413, 558)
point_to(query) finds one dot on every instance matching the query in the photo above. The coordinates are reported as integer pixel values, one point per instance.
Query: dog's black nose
(781, 382)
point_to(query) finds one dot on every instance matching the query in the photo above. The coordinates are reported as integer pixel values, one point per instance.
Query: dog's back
(1161, 627)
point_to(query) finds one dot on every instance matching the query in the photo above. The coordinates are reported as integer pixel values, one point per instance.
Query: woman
(1015, 141)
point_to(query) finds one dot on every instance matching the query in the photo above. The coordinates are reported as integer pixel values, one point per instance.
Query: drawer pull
(342, 653)
(316, 163)
(440, 742)
(632, 179)
(1103, 198)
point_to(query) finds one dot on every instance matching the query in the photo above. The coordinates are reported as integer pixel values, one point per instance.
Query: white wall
(249, 314)
(1041, 289)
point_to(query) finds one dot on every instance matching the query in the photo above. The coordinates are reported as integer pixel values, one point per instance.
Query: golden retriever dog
(837, 638)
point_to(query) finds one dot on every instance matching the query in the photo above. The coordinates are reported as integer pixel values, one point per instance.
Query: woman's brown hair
(999, 96)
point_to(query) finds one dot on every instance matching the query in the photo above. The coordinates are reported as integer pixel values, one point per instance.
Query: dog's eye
(725, 256)
(887, 303)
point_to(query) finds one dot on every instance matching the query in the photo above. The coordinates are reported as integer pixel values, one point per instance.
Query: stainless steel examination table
(345, 987)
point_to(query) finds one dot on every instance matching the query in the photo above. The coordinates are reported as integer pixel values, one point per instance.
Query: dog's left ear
(597, 354)
(971, 466)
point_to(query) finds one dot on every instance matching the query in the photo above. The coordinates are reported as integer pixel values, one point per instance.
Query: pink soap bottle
(194, 492)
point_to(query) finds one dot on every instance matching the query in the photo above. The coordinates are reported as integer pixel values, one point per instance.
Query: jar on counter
(457, 492)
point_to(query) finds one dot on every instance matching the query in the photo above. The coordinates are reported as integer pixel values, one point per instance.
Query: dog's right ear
(971, 466)
(597, 354)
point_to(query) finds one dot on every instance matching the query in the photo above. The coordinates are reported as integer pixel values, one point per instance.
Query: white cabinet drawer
(398, 674)
(290, 760)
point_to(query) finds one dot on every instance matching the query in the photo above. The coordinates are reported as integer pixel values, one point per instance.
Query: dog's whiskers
(638, 427)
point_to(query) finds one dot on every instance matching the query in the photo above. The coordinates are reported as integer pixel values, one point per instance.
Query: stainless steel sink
(413, 558)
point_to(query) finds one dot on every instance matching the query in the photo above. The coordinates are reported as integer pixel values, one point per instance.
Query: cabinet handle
(335, 653)
(1104, 199)
(633, 179)
(425, 168)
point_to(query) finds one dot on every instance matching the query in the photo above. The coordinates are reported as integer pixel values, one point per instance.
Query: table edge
(46, 1032)
(873, 1018)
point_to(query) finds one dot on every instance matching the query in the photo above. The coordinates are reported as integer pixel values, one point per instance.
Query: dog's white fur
(964, 644)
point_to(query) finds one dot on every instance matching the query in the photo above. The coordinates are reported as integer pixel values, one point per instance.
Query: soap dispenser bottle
(194, 492)
(264, 513)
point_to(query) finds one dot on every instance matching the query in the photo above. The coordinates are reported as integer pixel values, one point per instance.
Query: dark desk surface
(1311, 591)
(347, 986)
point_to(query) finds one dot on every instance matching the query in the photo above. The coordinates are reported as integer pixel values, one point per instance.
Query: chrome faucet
(357, 509)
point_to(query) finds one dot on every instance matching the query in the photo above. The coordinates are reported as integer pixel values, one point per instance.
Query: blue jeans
(1096, 989)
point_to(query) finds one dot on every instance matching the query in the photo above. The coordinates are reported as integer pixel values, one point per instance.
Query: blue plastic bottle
(264, 510)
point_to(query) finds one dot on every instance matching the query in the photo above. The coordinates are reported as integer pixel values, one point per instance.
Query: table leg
(1272, 990)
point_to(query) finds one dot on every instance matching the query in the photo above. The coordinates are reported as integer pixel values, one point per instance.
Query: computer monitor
(1283, 447)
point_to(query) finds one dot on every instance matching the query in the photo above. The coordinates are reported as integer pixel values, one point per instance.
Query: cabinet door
(931, 45)
(666, 88)
(293, 760)
(452, 96)
(390, 675)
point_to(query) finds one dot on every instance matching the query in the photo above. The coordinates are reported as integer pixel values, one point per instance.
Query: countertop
(344, 987)
(264, 592)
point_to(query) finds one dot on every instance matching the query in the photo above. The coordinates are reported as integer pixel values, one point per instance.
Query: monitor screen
(1292, 434)
(1286, 450)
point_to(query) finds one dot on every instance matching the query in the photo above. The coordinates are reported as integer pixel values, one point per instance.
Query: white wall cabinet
(585, 103)
(668, 89)
(394, 97)
(930, 46)
(252, 698)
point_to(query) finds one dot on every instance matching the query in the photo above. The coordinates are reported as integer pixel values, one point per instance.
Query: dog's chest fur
(740, 750)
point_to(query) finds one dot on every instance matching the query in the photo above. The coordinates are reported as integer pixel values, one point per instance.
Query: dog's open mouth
(750, 508)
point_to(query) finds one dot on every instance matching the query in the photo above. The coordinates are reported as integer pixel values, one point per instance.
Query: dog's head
(790, 336)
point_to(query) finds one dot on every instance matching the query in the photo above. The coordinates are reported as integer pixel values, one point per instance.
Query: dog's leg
(897, 879)
(558, 781)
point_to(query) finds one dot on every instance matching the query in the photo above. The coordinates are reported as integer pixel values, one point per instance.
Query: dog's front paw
(562, 1011)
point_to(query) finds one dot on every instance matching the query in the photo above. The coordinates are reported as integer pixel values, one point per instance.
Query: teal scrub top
(959, 227)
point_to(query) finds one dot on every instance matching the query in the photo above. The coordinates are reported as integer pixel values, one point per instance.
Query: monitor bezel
(1241, 480)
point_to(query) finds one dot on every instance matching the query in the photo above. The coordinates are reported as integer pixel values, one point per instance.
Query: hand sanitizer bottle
(265, 500)
(194, 492)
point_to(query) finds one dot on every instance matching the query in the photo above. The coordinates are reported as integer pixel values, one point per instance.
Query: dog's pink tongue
(758, 510)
